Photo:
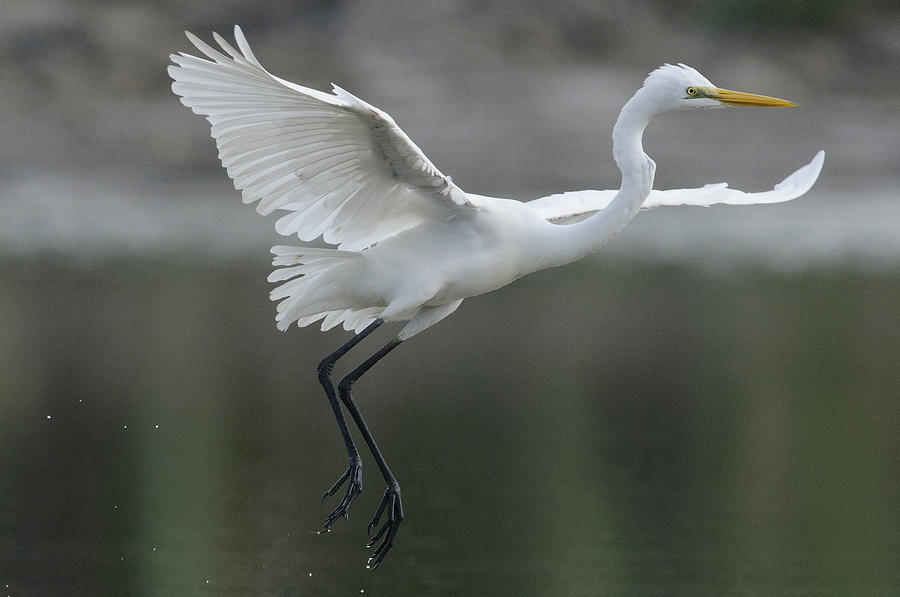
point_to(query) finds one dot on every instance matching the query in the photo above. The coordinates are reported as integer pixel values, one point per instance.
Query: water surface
(606, 428)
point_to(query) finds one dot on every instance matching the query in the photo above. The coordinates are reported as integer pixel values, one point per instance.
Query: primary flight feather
(409, 244)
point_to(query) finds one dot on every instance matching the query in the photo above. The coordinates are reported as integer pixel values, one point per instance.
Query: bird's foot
(392, 508)
(354, 487)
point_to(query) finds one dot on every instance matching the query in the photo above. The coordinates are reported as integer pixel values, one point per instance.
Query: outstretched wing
(342, 168)
(567, 208)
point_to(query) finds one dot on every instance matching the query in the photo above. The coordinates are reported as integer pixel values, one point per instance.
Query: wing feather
(343, 168)
(571, 207)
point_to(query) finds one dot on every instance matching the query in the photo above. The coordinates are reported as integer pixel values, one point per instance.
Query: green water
(607, 428)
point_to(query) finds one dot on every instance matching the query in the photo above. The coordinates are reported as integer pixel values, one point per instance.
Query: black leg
(354, 470)
(390, 506)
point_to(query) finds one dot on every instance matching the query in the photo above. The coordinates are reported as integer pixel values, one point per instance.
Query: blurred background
(708, 406)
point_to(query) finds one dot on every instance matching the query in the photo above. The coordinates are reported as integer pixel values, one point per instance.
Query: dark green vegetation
(603, 428)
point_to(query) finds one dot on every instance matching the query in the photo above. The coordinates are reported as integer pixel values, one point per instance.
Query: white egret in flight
(409, 244)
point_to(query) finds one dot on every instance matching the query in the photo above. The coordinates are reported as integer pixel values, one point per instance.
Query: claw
(391, 504)
(354, 488)
(338, 484)
(377, 516)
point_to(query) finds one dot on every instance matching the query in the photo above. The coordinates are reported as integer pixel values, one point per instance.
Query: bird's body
(408, 244)
(437, 263)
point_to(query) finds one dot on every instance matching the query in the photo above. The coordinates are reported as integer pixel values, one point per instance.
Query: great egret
(410, 244)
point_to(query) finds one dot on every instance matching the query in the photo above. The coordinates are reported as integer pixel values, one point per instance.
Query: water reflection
(604, 428)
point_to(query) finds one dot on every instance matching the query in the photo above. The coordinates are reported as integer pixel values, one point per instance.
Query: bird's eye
(691, 91)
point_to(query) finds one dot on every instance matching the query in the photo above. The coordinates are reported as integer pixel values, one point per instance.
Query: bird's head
(670, 88)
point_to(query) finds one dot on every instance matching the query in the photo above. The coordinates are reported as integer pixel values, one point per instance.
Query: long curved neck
(583, 238)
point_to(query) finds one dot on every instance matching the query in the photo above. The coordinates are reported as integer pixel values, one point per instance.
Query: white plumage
(344, 171)
(340, 166)
(564, 208)
(410, 244)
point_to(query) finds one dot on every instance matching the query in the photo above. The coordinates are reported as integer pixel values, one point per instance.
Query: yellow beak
(741, 98)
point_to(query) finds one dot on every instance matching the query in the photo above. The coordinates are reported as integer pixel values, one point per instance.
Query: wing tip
(806, 176)
(819, 159)
(192, 38)
(817, 163)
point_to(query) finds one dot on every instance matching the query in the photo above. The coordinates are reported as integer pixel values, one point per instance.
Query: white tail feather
(312, 279)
